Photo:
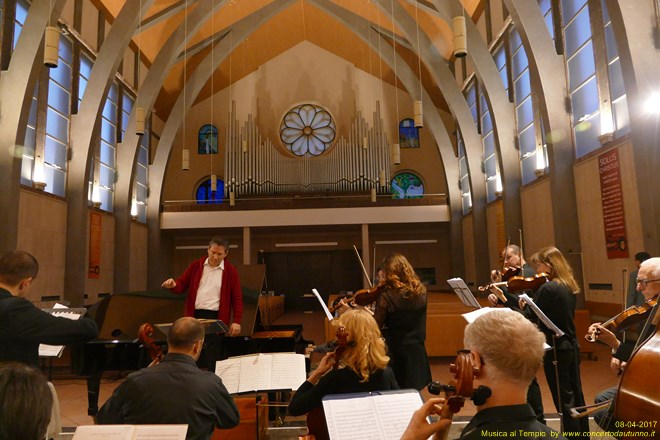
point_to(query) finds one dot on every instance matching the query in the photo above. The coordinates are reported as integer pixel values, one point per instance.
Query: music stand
(210, 326)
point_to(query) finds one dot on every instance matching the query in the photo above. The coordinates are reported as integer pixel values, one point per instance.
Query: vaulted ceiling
(300, 21)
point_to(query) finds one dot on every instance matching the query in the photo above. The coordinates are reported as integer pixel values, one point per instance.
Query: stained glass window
(205, 196)
(407, 186)
(307, 129)
(408, 134)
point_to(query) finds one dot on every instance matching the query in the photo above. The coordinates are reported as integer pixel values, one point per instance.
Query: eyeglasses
(645, 283)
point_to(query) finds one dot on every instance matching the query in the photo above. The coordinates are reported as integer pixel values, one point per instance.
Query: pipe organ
(357, 163)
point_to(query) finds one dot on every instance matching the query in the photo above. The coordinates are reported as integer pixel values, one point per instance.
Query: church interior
(319, 136)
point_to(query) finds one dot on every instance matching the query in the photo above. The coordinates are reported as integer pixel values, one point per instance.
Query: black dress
(402, 319)
(340, 381)
(558, 303)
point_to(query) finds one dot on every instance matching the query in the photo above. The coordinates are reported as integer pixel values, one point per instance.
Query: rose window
(307, 128)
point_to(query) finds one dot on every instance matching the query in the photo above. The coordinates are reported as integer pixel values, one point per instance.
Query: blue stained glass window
(407, 185)
(408, 134)
(205, 196)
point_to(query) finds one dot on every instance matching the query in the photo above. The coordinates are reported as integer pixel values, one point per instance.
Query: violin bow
(521, 245)
(364, 269)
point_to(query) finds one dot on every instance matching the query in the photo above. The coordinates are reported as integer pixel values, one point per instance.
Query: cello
(155, 350)
(637, 403)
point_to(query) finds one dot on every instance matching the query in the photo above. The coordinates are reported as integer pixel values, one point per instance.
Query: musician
(648, 284)
(635, 297)
(401, 314)
(557, 299)
(513, 258)
(363, 366)
(214, 292)
(23, 326)
(506, 369)
(26, 402)
(174, 391)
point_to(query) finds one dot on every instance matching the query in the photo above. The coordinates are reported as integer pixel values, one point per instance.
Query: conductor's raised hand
(169, 283)
(419, 427)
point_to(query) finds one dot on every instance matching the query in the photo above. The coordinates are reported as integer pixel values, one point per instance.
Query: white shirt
(208, 293)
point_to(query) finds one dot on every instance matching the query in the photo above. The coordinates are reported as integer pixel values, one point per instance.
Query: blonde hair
(491, 336)
(399, 274)
(560, 269)
(366, 351)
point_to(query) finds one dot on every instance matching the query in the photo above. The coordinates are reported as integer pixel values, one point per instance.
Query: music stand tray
(210, 326)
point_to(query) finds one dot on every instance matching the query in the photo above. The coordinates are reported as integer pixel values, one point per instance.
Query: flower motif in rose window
(307, 128)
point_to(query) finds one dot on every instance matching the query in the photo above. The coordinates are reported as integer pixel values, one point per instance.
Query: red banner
(611, 196)
(94, 267)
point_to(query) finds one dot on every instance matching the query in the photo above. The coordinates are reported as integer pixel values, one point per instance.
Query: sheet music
(230, 372)
(104, 432)
(325, 308)
(395, 411)
(262, 372)
(60, 311)
(471, 316)
(464, 293)
(287, 371)
(542, 316)
(161, 432)
(131, 432)
(346, 419)
(345, 414)
(255, 373)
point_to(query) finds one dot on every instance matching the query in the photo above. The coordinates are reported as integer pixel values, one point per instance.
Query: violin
(629, 317)
(511, 272)
(362, 297)
(519, 284)
(155, 350)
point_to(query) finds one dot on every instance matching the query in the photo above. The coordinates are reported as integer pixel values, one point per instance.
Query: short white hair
(508, 342)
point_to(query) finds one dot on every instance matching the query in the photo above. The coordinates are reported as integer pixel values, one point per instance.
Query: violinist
(514, 264)
(175, 391)
(363, 366)
(513, 259)
(506, 370)
(401, 314)
(648, 284)
(557, 299)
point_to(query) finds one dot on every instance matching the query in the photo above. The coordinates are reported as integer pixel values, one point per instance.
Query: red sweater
(231, 295)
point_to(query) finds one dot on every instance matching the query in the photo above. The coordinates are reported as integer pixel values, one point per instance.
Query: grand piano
(120, 316)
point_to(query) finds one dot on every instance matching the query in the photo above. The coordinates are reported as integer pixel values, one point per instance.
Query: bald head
(185, 332)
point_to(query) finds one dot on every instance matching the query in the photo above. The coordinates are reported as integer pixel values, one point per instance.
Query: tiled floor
(596, 376)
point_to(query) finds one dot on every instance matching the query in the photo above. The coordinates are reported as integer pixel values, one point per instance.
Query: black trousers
(535, 400)
(213, 349)
(569, 385)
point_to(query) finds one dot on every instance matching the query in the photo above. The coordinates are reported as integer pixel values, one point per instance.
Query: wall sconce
(140, 116)
(498, 185)
(460, 36)
(185, 159)
(51, 46)
(418, 114)
(395, 154)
